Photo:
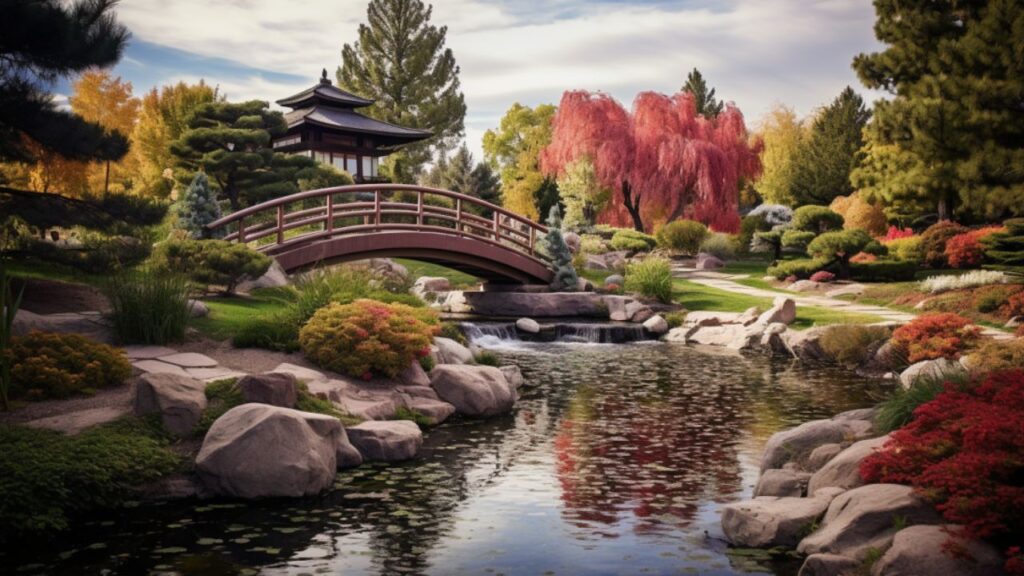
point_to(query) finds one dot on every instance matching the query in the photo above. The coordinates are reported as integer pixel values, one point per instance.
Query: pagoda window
(338, 161)
(322, 157)
(351, 164)
(368, 170)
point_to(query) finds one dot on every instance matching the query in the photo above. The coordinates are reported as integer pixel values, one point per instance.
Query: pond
(616, 462)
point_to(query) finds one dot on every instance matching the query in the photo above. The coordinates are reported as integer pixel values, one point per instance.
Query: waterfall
(490, 335)
(600, 333)
(493, 335)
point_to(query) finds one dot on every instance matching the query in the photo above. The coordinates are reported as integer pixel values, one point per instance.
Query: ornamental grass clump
(49, 365)
(632, 241)
(964, 452)
(368, 338)
(973, 279)
(850, 345)
(148, 307)
(651, 277)
(933, 336)
(682, 236)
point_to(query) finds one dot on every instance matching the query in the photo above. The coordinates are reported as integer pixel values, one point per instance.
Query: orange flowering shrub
(50, 365)
(859, 213)
(368, 338)
(937, 335)
(862, 257)
(933, 242)
(966, 250)
(1014, 306)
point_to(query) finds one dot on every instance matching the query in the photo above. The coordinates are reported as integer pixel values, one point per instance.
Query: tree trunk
(844, 268)
(632, 206)
(106, 179)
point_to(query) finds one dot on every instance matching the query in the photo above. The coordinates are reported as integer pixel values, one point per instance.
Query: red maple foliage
(1014, 306)
(966, 250)
(935, 335)
(964, 451)
(895, 233)
(664, 161)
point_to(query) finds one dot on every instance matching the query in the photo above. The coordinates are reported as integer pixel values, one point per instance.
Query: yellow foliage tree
(98, 97)
(857, 212)
(782, 134)
(514, 150)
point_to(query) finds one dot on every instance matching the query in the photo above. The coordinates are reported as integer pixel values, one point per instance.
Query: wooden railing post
(458, 215)
(497, 226)
(376, 208)
(419, 207)
(280, 223)
(329, 225)
(533, 232)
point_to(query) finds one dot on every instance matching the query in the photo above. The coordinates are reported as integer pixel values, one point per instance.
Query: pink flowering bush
(895, 233)
(823, 276)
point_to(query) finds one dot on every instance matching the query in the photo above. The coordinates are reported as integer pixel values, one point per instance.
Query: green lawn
(228, 314)
(39, 270)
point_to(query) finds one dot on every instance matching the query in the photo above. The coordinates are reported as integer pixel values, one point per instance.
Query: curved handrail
(491, 230)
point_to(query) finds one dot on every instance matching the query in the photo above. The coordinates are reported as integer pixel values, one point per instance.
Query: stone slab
(189, 360)
(158, 367)
(148, 352)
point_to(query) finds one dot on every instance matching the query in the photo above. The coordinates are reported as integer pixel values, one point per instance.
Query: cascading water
(492, 335)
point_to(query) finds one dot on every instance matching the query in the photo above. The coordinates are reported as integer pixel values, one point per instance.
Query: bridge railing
(290, 221)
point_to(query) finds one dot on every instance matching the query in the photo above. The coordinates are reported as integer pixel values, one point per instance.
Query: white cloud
(755, 52)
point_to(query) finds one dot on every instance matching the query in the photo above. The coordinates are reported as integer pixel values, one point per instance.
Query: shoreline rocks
(179, 400)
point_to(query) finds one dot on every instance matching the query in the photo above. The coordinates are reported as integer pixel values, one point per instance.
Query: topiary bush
(849, 345)
(721, 246)
(933, 242)
(797, 239)
(651, 277)
(769, 241)
(682, 236)
(211, 262)
(935, 335)
(773, 214)
(750, 225)
(1006, 249)
(908, 249)
(553, 244)
(967, 250)
(964, 452)
(49, 365)
(859, 213)
(799, 268)
(368, 338)
(816, 219)
(633, 241)
(839, 247)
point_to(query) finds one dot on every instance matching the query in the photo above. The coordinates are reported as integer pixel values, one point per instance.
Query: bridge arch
(356, 222)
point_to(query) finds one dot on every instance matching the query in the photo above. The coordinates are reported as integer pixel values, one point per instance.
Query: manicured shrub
(798, 268)
(198, 207)
(212, 262)
(883, 271)
(859, 213)
(875, 248)
(839, 247)
(993, 355)
(633, 241)
(966, 250)
(721, 246)
(936, 335)
(822, 276)
(368, 338)
(148, 306)
(770, 241)
(682, 236)
(863, 257)
(49, 365)
(896, 233)
(1006, 249)
(908, 249)
(816, 219)
(933, 242)
(1014, 306)
(48, 478)
(937, 284)
(849, 344)
(750, 225)
(651, 277)
(773, 214)
(797, 239)
(553, 244)
(964, 452)
(592, 244)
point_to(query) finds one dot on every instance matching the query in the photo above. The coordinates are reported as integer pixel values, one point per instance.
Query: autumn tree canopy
(663, 160)
(514, 150)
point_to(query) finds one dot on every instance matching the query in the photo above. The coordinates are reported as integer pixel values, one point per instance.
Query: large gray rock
(616, 279)
(414, 375)
(475, 391)
(90, 325)
(783, 311)
(435, 284)
(347, 455)
(867, 517)
(449, 351)
(179, 400)
(274, 388)
(843, 471)
(749, 316)
(941, 368)
(514, 376)
(617, 308)
(708, 262)
(782, 482)
(846, 290)
(386, 441)
(924, 550)
(656, 324)
(274, 277)
(198, 308)
(259, 451)
(805, 344)
(830, 565)
(572, 240)
(821, 456)
(434, 411)
(796, 444)
(527, 325)
(768, 521)
(726, 335)
(712, 318)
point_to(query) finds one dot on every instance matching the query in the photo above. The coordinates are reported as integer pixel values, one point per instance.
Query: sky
(754, 52)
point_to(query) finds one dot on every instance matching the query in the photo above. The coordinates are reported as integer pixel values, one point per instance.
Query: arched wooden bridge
(363, 221)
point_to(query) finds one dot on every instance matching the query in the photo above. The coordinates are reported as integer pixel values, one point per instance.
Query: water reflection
(615, 463)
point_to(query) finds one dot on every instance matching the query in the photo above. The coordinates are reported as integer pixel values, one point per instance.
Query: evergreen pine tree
(553, 244)
(830, 151)
(485, 183)
(707, 106)
(400, 60)
(198, 207)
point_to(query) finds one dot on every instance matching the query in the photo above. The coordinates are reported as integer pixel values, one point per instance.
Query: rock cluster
(748, 330)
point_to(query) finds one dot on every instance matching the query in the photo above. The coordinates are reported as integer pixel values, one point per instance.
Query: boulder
(617, 308)
(584, 285)
(451, 352)
(432, 410)
(782, 482)
(514, 376)
(769, 521)
(527, 304)
(805, 344)
(274, 277)
(656, 324)
(274, 388)
(414, 375)
(475, 391)
(771, 338)
(301, 373)
(843, 471)
(726, 335)
(821, 456)
(804, 286)
(432, 284)
(347, 455)
(386, 441)
(925, 550)
(596, 262)
(1014, 322)
(884, 358)
(616, 279)
(197, 308)
(179, 400)
(783, 311)
(260, 451)
(708, 262)
(681, 334)
(711, 318)
(830, 565)
(92, 326)
(795, 444)
(749, 316)
(388, 269)
(527, 325)
(865, 518)
(366, 406)
(846, 290)
(933, 369)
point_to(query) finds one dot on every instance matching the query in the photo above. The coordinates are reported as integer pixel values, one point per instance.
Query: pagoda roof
(325, 93)
(348, 120)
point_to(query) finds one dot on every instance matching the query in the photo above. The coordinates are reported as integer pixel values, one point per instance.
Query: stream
(616, 461)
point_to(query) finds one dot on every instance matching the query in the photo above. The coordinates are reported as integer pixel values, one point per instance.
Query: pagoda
(324, 124)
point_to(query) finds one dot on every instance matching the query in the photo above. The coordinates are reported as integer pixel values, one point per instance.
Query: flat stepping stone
(158, 367)
(189, 360)
(216, 373)
(300, 372)
(74, 422)
(148, 352)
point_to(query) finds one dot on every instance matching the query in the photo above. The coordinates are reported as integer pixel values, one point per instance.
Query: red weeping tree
(664, 160)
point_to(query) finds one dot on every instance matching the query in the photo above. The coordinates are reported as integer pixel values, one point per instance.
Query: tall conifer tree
(704, 98)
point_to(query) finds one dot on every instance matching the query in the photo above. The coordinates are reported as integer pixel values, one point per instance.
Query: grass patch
(48, 479)
(229, 315)
(754, 267)
(897, 410)
(459, 280)
(403, 413)
(40, 270)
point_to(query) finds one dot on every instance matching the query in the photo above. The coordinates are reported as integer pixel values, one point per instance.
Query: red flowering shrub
(368, 338)
(966, 250)
(862, 257)
(1014, 306)
(937, 335)
(895, 233)
(822, 276)
(964, 452)
(933, 242)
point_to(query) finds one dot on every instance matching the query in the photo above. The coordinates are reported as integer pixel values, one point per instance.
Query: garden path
(727, 282)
